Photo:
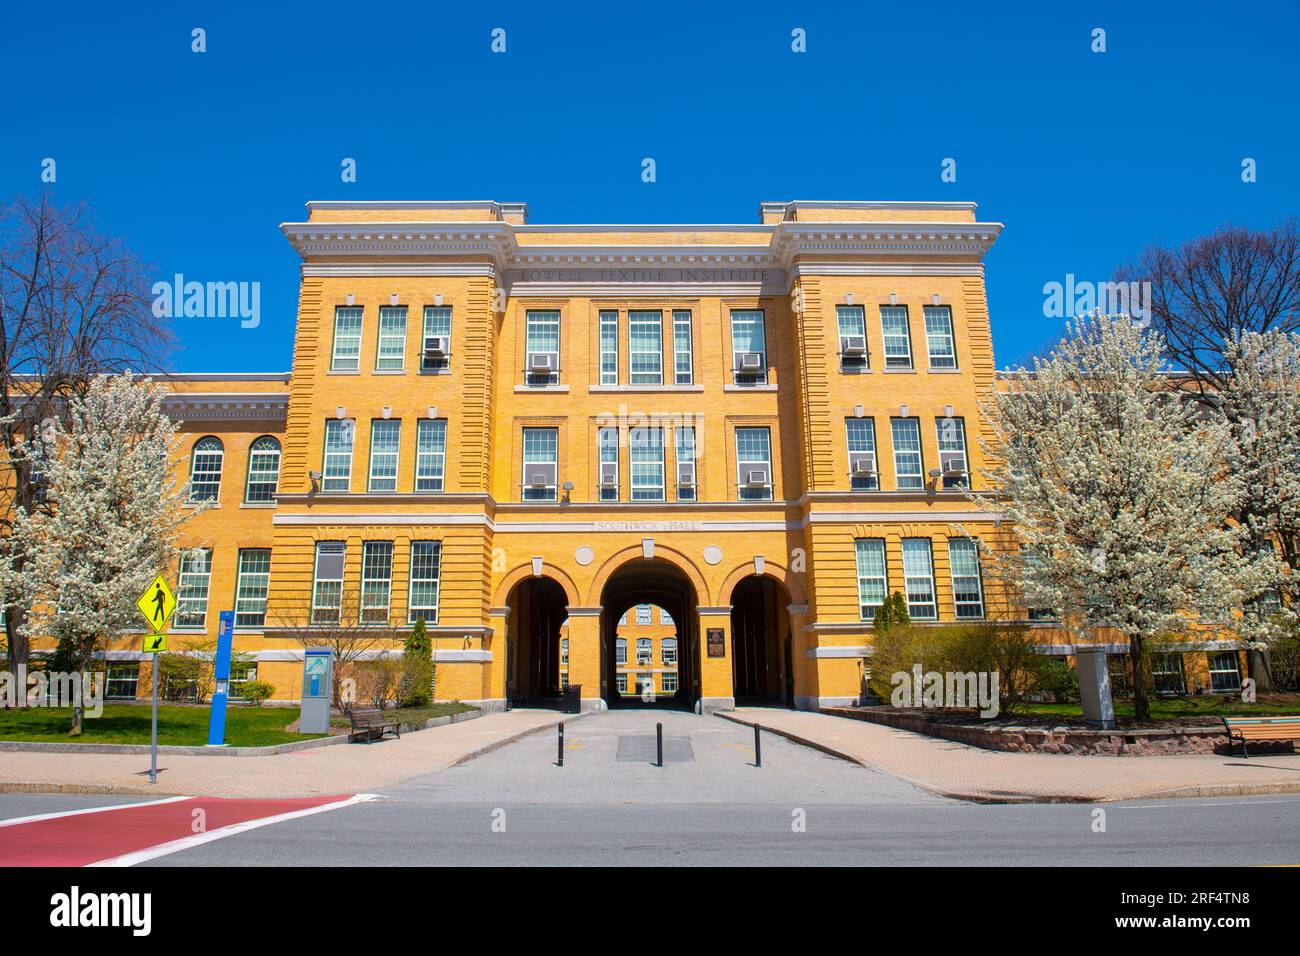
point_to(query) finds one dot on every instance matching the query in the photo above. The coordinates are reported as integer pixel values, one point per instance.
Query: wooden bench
(1260, 728)
(372, 723)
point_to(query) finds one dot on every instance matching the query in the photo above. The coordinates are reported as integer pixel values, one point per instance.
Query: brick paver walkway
(344, 768)
(959, 770)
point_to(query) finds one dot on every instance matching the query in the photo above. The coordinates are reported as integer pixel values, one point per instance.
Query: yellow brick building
(521, 432)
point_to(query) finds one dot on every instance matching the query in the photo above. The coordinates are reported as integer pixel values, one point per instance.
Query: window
(391, 356)
(263, 470)
(347, 339)
(193, 578)
(620, 650)
(908, 466)
(918, 579)
(1224, 672)
(898, 340)
(852, 322)
(241, 672)
(668, 650)
(542, 346)
(608, 442)
(754, 463)
(645, 347)
(437, 324)
(938, 337)
(609, 347)
(664, 616)
(967, 593)
(953, 463)
(205, 469)
(1032, 562)
(862, 454)
(337, 469)
(873, 585)
(683, 362)
(668, 683)
(251, 585)
(643, 650)
(385, 439)
(686, 456)
(748, 347)
(541, 463)
(620, 681)
(122, 680)
(564, 651)
(426, 566)
(643, 614)
(327, 587)
(430, 453)
(1167, 674)
(376, 581)
(646, 454)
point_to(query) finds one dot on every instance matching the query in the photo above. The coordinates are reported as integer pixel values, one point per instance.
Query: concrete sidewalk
(957, 770)
(347, 768)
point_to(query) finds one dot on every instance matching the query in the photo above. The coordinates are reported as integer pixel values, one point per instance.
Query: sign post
(221, 675)
(156, 605)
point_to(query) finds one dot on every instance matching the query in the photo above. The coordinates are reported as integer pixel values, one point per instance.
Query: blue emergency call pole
(221, 674)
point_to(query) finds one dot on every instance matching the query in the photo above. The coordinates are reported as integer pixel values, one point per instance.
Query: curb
(496, 744)
(1221, 790)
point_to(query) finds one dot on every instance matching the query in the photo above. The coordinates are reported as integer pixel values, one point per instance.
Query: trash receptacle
(573, 699)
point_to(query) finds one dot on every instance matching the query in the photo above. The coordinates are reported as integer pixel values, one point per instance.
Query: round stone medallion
(584, 556)
(713, 554)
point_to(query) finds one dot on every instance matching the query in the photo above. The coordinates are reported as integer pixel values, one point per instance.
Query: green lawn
(129, 724)
(1208, 706)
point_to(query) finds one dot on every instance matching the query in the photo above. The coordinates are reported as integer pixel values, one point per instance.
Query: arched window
(205, 469)
(263, 469)
(620, 650)
(668, 648)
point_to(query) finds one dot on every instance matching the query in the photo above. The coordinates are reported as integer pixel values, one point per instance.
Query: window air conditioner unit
(952, 463)
(608, 474)
(541, 475)
(749, 363)
(435, 346)
(757, 478)
(862, 463)
(853, 346)
(686, 473)
(541, 362)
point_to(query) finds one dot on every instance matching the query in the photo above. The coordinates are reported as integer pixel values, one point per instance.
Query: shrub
(418, 666)
(1058, 678)
(256, 692)
(892, 613)
(379, 682)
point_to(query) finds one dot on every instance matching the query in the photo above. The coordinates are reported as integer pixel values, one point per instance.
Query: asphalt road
(709, 805)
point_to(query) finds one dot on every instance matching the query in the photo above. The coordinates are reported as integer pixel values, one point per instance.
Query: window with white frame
(391, 354)
(873, 584)
(644, 614)
(909, 470)
(376, 581)
(542, 338)
(620, 650)
(385, 440)
(852, 323)
(437, 325)
(607, 440)
(426, 569)
(327, 582)
(644, 650)
(1225, 671)
(951, 435)
(1167, 675)
(967, 590)
(646, 463)
(347, 339)
(664, 616)
(336, 470)
(252, 583)
(263, 470)
(122, 681)
(683, 360)
(686, 455)
(205, 469)
(897, 337)
(918, 579)
(193, 579)
(645, 347)
(754, 463)
(541, 463)
(241, 672)
(668, 650)
(748, 347)
(1032, 561)
(862, 454)
(620, 682)
(668, 683)
(938, 337)
(430, 454)
(608, 347)
(564, 651)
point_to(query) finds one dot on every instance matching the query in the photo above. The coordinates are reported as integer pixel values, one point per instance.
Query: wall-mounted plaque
(717, 646)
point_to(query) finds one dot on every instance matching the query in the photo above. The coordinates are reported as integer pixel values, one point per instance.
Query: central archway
(667, 590)
(539, 608)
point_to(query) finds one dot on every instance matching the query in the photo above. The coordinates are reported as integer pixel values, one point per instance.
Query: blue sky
(195, 159)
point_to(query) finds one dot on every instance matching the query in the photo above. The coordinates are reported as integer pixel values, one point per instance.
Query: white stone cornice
(791, 239)
(218, 406)
(493, 239)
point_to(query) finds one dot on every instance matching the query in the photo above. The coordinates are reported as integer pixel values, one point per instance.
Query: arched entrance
(538, 608)
(660, 663)
(761, 642)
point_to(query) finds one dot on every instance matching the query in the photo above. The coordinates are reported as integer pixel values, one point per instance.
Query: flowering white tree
(109, 522)
(1118, 488)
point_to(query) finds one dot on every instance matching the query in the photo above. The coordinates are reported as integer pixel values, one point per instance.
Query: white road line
(1209, 802)
(198, 839)
(76, 813)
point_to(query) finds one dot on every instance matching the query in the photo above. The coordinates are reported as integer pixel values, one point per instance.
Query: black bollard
(659, 744)
(758, 748)
(561, 744)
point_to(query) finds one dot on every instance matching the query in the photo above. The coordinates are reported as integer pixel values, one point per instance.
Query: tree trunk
(1141, 706)
(1258, 669)
(17, 644)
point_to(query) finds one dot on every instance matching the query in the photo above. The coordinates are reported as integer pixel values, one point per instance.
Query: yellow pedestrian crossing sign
(155, 643)
(156, 605)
